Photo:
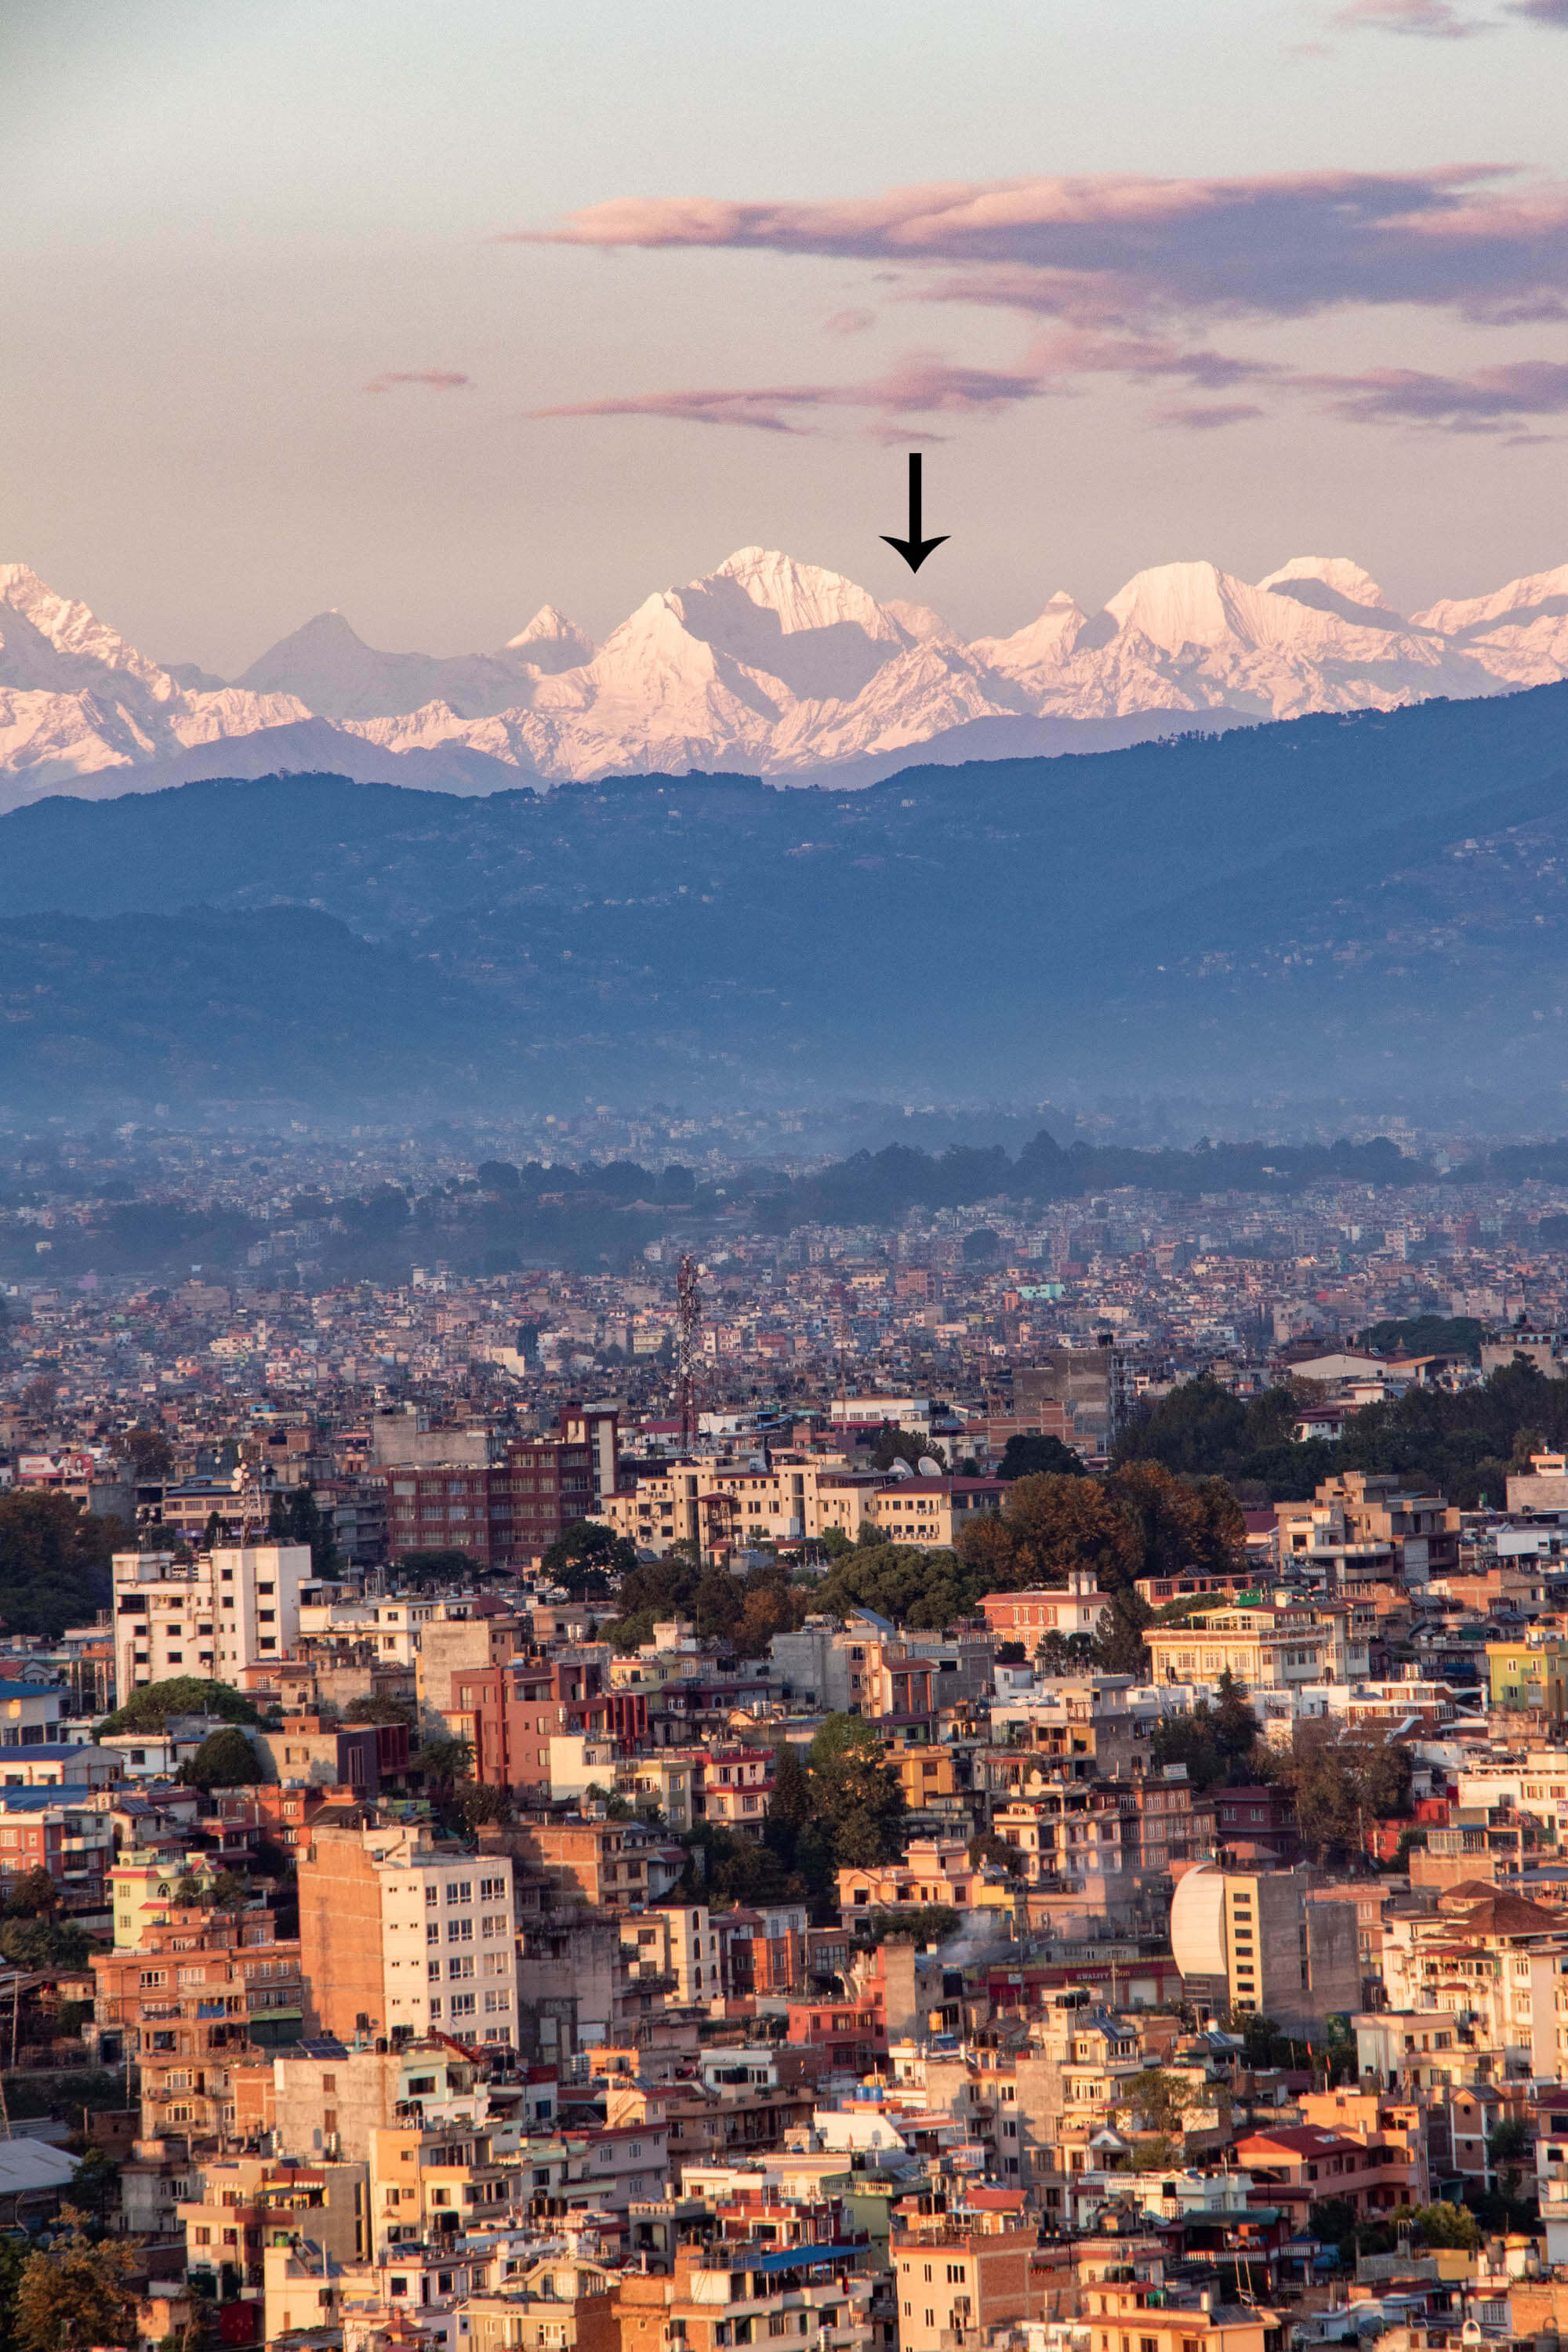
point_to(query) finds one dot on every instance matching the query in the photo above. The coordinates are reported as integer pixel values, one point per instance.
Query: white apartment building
(677, 1940)
(234, 1607)
(448, 1944)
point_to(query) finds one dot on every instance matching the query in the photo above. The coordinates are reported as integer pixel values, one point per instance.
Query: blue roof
(32, 1690)
(36, 1800)
(787, 2258)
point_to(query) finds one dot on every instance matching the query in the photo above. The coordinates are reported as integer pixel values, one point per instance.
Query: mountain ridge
(783, 668)
(1382, 894)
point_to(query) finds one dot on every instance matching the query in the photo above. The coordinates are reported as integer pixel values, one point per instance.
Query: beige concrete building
(394, 1932)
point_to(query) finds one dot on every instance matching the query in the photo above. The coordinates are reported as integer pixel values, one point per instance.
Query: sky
(437, 314)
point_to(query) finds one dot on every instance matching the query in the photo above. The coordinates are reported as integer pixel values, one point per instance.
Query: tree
(921, 1923)
(229, 1892)
(586, 1558)
(226, 1759)
(1183, 1524)
(34, 1895)
(1443, 2224)
(149, 1452)
(298, 1518)
(380, 1706)
(78, 2292)
(43, 1944)
(1340, 1781)
(1031, 1454)
(54, 1562)
(445, 1763)
(1236, 1727)
(1510, 2148)
(445, 1564)
(1155, 2099)
(1055, 1524)
(152, 1707)
(472, 1804)
(894, 1444)
(790, 1806)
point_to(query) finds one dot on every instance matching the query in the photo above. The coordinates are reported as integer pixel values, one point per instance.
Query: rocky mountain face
(766, 664)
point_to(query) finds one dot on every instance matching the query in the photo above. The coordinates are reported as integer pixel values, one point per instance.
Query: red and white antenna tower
(688, 1324)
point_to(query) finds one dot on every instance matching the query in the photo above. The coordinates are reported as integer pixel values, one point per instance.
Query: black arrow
(914, 549)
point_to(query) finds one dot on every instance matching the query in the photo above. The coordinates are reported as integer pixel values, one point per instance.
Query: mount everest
(766, 664)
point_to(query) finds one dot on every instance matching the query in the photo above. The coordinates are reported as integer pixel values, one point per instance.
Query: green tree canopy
(226, 1759)
(54, 1562)
(587, 1557)
(1030, 1455)
(1341, 1781)
(44, 1943)
(380, 1707)
(447, 1564)
(894, 1444)
(78, 2292)
(155, 1704)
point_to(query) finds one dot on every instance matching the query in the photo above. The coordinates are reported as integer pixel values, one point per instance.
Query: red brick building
(508, 1713)
(508, 1513)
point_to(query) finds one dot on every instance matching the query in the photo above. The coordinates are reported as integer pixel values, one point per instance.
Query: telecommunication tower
(687, 1323)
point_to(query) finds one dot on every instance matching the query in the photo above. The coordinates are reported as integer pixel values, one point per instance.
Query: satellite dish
(900, 1468)
(930, 1469)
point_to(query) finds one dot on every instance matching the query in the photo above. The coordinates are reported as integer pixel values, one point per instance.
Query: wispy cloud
(849, 322)
(1110, 249)
(1487, 400)
(1135, 278)
(1429, 20)
(923, 385)
(433, 379)
(1541, 12)
(1198, 419)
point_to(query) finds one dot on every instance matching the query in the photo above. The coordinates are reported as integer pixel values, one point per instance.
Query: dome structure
(1197, 1923)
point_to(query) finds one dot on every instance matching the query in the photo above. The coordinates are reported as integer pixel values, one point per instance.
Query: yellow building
(1529, 1675)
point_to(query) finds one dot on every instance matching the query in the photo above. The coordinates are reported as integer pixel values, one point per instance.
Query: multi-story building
(961, 2269)
(201, 1990)
(507, 1513)
(931, 1871)
(742, 2292)
(1028, 1617)
(214, 1617)
(396, 1932)
(1251, 1942)
(1263, 1646)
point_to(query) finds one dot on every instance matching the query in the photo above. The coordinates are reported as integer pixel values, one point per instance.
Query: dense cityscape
(927, 1780)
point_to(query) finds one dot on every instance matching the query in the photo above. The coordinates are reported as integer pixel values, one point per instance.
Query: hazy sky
(1242, 278)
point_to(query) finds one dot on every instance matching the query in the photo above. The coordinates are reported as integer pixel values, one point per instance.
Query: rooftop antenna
(687, 1323)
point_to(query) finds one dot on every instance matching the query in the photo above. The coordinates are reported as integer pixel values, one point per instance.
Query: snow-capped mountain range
(766, 664)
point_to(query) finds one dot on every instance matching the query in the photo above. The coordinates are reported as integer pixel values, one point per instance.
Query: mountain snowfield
(766, 664)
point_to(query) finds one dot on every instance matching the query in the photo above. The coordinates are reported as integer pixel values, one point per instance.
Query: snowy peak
(552, 642)
(1177, 605)
(49, 641)
(803, 597)
(1337, 573)
(1519, 604)
(768, 664)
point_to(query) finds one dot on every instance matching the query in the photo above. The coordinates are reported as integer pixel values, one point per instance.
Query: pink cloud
(1480, 402)
(1432, 20)
(922, 383)
(434, 380)
(849, 322)
(1122, 250)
